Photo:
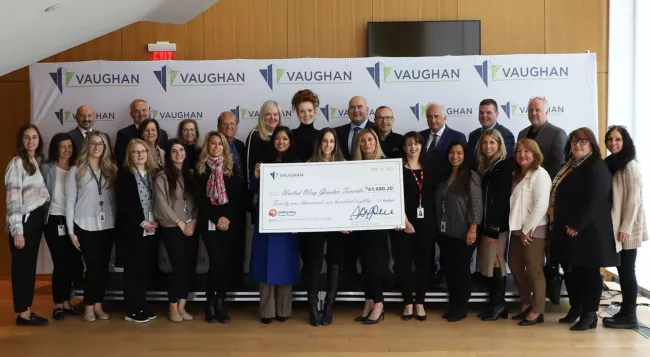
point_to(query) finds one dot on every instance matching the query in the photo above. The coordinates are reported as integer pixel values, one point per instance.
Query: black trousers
(584, 287)
(458, 257)
(374, 262)
(96, 249)
(312, 248)
(182, 251)
(409, 249)
(627, 277)
(351, 253)
(222, 251)
(65, 258)
(138, 259)
(23, 261)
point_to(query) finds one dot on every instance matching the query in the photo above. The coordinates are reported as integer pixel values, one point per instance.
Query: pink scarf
(216, 188)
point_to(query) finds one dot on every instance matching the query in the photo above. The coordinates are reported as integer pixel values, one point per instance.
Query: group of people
(546, 189)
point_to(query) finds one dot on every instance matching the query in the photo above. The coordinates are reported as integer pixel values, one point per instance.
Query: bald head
(139, 110)
(358, 110)
(227, 125)
(85, 117)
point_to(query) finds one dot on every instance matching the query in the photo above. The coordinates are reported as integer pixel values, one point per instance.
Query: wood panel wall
(326, 28)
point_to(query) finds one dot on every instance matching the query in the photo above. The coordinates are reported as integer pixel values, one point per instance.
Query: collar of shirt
(439, 133)
(491, 127)
(362, 125)
(84, 131)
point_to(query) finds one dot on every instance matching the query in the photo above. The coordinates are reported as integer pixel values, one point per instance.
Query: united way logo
(168, 77)
(63, 79)
(273, 76)
(273, 212)
(511, 109)
(496, 72)
(382, 74)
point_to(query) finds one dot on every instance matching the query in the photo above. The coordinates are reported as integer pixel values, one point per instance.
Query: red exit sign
(162, 55)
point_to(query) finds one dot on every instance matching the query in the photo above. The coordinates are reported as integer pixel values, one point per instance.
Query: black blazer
(497, 186)
(437, 162)
(129, 208)
(508, 138)
(125, 135)
(583, 201)
(231, 210)
(343, 132)
(256, 150)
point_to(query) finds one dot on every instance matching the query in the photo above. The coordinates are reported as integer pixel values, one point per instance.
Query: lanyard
(185, 209)
(419, 182)
(182, 188)
(145, 182)
(446, 186)
(99, 185)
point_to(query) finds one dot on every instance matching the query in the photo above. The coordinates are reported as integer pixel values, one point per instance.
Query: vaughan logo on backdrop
(273, 75)
(63, 79)
(247, 114)
(331, 112)
(496, 72)
(175, 114)
(511, 109)
(381, 73)
(168, 77)
(420, 111)
(64, 115)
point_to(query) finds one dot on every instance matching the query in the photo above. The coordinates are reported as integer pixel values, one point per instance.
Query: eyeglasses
(385, 118)
(139, 152)
(580, 142)
(189, 130)
(96, 143)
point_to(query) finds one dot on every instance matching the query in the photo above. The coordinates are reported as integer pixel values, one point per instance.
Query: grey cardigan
(461, 209)
(49, 176)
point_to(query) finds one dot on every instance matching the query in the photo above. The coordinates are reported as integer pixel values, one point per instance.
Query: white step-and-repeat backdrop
(200, 90)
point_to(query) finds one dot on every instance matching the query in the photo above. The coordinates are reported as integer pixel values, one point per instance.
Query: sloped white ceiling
(28, 33)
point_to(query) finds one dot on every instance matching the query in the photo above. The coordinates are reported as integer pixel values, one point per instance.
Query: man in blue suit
(488, 113)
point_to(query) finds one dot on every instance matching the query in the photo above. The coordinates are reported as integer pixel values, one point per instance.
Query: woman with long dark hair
(188, 133)
(628, 218)
(65, 257)
(275, 257)
(176, 212)
(26, 198)
(312, 245)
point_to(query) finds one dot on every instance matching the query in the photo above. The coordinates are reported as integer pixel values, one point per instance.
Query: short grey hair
(543, 99)
(436, 104)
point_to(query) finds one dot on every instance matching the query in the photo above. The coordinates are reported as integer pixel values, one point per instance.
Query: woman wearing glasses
(629, 220)
(90, 217)
(137, 227)
(582, 234)
(188, 132)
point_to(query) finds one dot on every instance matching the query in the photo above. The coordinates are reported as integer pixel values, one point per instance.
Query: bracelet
(142, 224)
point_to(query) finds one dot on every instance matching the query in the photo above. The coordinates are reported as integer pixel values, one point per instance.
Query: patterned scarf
(216, 188)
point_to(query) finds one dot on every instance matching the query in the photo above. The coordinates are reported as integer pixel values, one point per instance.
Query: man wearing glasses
(348, 133)
(488, 113)
(391, 143)
(550, 138)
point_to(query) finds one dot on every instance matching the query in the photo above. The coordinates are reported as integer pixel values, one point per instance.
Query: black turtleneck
(304, 137)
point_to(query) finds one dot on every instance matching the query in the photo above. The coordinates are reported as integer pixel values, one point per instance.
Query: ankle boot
(497, 297)
(312, 301)
(571, 316)
(210, 314)
(330, 297)
(622, 320)
(588, 320)
(221, 312)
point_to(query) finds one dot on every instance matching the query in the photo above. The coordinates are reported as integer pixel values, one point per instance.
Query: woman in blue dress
(275, 257)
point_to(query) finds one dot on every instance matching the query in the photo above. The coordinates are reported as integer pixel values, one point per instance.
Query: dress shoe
(73, 310)
(522, 315)
(58, 314)
(33, 320)
(266, 320)
(622, 321)
(222, 313)
(368, 321)
(535, 321)
(407, 317)
(361, 318)
(102, 315)
(455, 317)
(282, 318)
(588, 321)
(420, 317)
(333, 273)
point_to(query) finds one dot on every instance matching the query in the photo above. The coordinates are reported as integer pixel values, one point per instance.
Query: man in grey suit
(550, 138)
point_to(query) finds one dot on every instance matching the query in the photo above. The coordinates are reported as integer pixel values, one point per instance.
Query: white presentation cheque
(336, 196)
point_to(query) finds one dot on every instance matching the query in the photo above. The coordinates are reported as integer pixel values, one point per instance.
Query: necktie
(433, 143)
(355, 137)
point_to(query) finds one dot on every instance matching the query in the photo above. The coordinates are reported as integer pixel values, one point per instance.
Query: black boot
(221, 312)
(497, 297)
(330, 297)
(622, 320)
(210, 315)
(588, 320)
(571, 316)
(312, 301)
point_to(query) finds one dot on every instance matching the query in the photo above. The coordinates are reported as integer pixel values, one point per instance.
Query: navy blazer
(343, 132)
(438, 163)
(125, 135)
(508, 138)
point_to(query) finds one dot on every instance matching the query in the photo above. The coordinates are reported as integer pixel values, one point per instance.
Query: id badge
(211, 226)
(61, 229)
(102, 217)
(420, 213)
(443, 227)
(186, 210)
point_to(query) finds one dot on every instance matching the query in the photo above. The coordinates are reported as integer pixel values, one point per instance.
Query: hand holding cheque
(340, 196)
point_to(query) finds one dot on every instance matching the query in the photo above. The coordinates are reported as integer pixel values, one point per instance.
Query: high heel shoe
(522, 315)
(368, 321)
(535, 321)
(408, 317)
(361, 318)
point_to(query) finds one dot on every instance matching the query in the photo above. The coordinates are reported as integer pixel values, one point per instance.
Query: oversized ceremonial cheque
(331, 196)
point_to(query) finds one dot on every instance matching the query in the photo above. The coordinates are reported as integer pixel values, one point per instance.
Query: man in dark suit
(358, 114)
(85, 117)
(391, 143)
(550, 138)
(488, 112)
(227, 125)
(139, 111)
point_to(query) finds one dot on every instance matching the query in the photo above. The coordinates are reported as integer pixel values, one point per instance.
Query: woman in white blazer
(628, 219)
(528, 206)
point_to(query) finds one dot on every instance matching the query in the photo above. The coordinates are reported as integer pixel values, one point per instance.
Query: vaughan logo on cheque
(277, 175)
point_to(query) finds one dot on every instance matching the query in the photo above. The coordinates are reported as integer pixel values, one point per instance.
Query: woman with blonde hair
(258, 142)
(219, 197)
(496, 173)
(90, 217)
(137, 227)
